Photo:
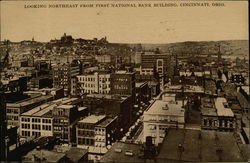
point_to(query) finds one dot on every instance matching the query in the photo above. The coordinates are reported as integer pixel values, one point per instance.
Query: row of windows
(36, 127)
(147, 70)
(213, 123)
(36, 120)
(15, 118)
(27, 133)
(27, 126)
(121, 79)
(57, 128)
(46, 120)
(93, 79)
(85, 141)
(120, 86)
(46, 127)
(25, 119)
(15, 111)
(85, 133)
(61, 121)
(102, 145)
(85, 126)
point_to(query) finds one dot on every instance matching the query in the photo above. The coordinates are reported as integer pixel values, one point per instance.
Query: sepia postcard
(124, 81)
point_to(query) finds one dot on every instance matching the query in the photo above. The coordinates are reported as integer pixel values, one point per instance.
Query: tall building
(160, 63)
(65, 116)
(123, 83)
(105, 133)
(63, 76)
(85, 131)
(161, 115)
(96, 133)
(114, 105)
(98, 82)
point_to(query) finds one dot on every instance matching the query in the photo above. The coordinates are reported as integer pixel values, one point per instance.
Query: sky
(125, 25)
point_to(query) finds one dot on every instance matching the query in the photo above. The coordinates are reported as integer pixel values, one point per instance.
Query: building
(97, 82)
(154, 87)
(161, 115)
(185, 145)
(105, 133)
(103, 58)
(238, 79)
(123, 83)
(85, 132)
(65, 117)
(41, 120)
(63, 76)
(216, 115)
(14, 84)
(136, 58)
(14, 110)
(143, 96)
(40, 82)
(38, 121)
(160, 63)
(113, 105)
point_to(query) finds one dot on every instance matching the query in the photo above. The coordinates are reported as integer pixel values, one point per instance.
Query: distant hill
(230, 47)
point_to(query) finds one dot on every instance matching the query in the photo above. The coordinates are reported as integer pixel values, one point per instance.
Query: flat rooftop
(106, 122)
(220, 104)
(65, 106)
(44, 109)
(199, 146)
(118, 150)
(45, 155)
(207, 107)
(92, 119)
(108, 96)
(30, 100)
(75, 154)
(166, 108)
(139, 84)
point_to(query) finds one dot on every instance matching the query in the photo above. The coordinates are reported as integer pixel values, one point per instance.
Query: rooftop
(106, 122)
(222, 107)
(118, 150)
(75, 154)
(30, 100)
(44, 109)
(199, 146)
(207, 107)
(108, 96)
(166, 108)
(140, 84)
(92, 119)
(41, 110)
(43, 155)
(65, 106)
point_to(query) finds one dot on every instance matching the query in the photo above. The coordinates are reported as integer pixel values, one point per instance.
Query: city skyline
(126, 25)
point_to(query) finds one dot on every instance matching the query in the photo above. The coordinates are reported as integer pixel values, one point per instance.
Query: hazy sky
(127, 25)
